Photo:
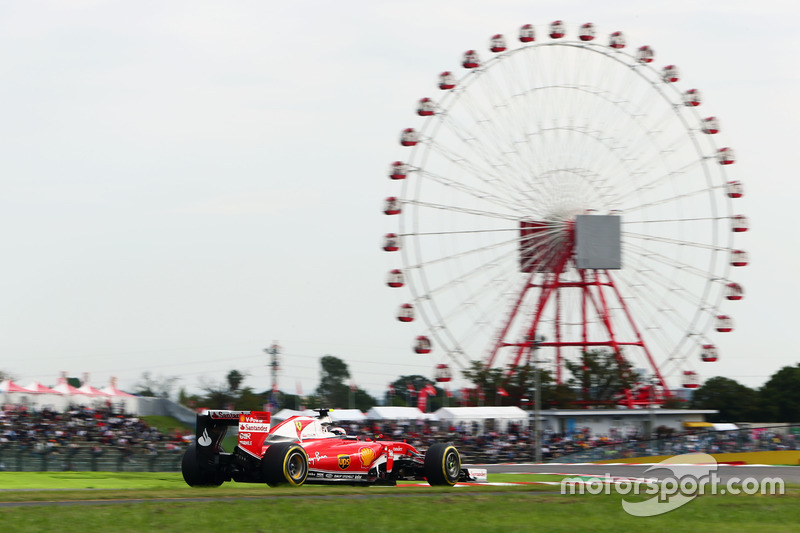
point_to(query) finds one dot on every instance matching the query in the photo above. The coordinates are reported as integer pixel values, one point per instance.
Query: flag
(430, 389)
(352, 386)
(391, 389)
(449, 393)
(411, 390)
(299, 387)
(465, 394)
(422, 401)
(501, 391)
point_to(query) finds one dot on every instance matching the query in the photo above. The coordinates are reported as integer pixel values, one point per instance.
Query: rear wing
(212, 426)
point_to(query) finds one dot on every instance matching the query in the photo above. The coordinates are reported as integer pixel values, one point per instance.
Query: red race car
(307, 449)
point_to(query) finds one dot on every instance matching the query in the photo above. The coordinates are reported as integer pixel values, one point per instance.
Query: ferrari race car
(309, 449)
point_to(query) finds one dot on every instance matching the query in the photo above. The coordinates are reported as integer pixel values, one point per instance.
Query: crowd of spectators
(103, 431)
(95, 430)
(517, 444)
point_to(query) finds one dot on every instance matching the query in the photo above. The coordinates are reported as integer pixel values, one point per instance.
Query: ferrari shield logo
(344, 461)
(299, 426)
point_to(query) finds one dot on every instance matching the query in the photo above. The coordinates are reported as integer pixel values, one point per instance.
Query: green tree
(600, 377)
(152, 386)
(734, 401)
(403, 397)
(519, 383)
(363, 400)
(235, 379)
(780, 396)
(247, 399)
(332, 390)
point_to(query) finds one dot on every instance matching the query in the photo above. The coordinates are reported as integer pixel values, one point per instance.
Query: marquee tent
(283, 414)
(37, 387)
(337, 415)
(391, 412)
(65, 388)
(10, 386)
(347, 415)
(112, 390)
(91, 391)
(503, 416)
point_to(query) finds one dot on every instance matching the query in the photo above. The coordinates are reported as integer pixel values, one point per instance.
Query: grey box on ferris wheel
(598, 242)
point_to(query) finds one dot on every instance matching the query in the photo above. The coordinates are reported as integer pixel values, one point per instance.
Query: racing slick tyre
(285, 463)
(193, 473)
(442, 464)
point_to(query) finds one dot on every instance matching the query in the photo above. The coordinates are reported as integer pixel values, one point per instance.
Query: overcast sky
(184, 182)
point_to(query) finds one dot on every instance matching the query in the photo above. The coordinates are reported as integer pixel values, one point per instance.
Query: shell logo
(367, 456)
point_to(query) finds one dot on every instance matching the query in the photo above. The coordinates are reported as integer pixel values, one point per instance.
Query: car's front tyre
(442, 464)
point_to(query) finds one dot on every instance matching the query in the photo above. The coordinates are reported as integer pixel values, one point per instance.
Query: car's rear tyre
(442, 464)
(285, 463)
(193, 473)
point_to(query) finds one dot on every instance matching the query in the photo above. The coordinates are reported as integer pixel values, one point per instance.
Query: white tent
(503, 416)
(347, 415)
(283, 414)
(391, 412)
(725, 427)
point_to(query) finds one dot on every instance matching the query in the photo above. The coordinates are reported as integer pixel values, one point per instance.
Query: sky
(186, 182)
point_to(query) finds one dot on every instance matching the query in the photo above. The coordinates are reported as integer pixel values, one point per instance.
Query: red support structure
(598, 294)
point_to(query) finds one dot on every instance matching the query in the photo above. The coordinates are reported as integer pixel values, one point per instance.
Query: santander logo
(204, 439)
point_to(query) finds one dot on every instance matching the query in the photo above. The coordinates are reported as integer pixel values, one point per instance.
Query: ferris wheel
(563, 194)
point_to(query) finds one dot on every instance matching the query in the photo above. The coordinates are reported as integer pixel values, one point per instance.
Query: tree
(217, 395)
(155, 387)
(780, 396)
(405, 397)
(235, 379)
(734, 401)
(600, 377)
(332, 389)
(519, 383)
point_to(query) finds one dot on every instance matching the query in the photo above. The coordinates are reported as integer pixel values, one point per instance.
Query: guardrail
(752, 439)
(23, 458)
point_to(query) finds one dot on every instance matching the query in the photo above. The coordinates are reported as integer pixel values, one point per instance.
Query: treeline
(778, 400)
(595, 381)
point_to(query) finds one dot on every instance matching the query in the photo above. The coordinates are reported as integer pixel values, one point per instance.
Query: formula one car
(309, 449)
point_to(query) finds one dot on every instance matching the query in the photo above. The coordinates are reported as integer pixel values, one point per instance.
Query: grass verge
(241, 507)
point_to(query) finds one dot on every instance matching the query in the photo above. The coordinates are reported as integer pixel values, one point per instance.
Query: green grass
(374, 509)
(167, 424)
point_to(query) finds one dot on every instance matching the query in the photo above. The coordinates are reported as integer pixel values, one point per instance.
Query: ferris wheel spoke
(657, 181)
(658, 258)
(499, 156)
(482, 168)
(676, 242)
(474, 192)
(456, 209)
(655, 319)
(670, 200)
(421, 264)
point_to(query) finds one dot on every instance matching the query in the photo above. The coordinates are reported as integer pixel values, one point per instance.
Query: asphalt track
(725, 473)
(789, 474)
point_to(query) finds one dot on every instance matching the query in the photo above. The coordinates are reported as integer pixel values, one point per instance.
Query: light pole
(273, 351)
(537, 398)
(650, 404)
